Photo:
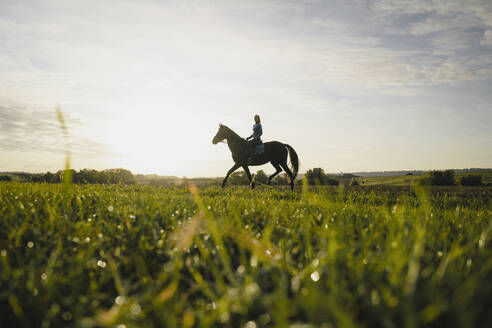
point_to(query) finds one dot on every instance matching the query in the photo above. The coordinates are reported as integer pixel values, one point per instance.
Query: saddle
(259, 149)
(255, 150)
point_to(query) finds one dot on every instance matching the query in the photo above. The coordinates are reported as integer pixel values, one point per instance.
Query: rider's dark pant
(254, 142)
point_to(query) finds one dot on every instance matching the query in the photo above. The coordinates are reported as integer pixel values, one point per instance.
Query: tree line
(447, 178)
(84, 176)
(315, 176)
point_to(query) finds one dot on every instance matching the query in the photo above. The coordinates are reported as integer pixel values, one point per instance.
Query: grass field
(140, 256)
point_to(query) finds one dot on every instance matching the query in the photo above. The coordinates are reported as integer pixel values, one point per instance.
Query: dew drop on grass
(264, 319)
(252, 289)
(44, 276)
(119, 300)
(439, 254)
(76, 240)
(87, 239)
(374, 297)
(101, 264)
(135, 309)
(110, 208)
(481, 241)
(240, 269)
(469, 262)
(224, 317)
(253, 261)
(30, 244)
(315, 276)
(250, 324)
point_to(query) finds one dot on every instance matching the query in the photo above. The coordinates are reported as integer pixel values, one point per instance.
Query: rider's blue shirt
(257, 131)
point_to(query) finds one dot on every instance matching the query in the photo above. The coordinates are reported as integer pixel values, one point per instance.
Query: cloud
(487, 38)
(35, 131)
(122, 65)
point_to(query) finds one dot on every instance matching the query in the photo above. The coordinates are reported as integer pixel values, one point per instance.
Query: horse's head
(221, 134)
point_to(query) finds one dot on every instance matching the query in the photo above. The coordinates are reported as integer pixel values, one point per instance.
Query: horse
(274, 152)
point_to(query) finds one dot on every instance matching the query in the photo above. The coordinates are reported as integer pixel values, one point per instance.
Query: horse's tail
(294, 160)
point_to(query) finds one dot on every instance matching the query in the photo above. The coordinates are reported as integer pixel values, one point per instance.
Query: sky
(351, 85)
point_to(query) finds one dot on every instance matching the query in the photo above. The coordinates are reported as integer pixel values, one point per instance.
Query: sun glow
(163, 142)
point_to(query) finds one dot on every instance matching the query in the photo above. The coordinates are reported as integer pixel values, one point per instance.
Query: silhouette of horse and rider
(252, 151)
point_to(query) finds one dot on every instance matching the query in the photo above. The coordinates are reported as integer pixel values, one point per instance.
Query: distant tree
(354, 183)
(36, 178)
(50, 177)
(471, 180)
(348, 175)
(316, 176)
(119, 176)
(280, 180)
(261, 177)
(5, 178)
(238, 178)
(88, 176)
(439, 178)
(331, 182)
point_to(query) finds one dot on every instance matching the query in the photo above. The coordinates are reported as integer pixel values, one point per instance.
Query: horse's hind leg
(289, 173)
(278, 170)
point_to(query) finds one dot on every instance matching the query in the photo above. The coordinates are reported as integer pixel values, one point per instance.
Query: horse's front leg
(248, 174)
(234, 168)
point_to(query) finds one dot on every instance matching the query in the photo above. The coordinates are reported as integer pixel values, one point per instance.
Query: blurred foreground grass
(139, 256)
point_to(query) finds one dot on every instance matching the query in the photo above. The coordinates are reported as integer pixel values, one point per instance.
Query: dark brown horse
(275, 152)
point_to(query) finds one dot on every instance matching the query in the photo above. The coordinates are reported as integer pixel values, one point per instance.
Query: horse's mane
(231, 131)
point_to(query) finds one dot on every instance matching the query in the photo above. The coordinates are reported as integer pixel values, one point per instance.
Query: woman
(257, 132)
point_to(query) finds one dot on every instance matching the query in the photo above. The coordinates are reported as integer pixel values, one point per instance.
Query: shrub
(238, 178)
(316, 176)
(439, 178)
(261, 177)
(471, 180)
(332, 182)
(5, 178)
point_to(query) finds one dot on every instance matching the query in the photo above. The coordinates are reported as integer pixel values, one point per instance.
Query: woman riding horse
(274, 152)
(255, 138)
